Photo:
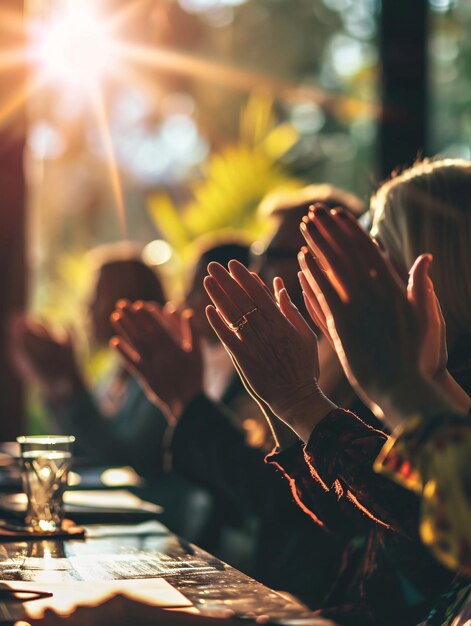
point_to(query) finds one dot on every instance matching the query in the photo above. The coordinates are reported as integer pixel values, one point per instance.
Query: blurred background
(159, 121)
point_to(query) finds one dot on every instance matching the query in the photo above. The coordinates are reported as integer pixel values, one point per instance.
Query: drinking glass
(46, 461)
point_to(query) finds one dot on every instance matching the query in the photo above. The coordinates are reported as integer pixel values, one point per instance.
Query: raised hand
(433, 350)
(44, 357)
(356, 296)
(421, 294)
(159, 347)
(276, 353)
(122, 611)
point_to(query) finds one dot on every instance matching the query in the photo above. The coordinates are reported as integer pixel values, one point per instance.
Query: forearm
(414, 396)
(460, 400)
(209, 448)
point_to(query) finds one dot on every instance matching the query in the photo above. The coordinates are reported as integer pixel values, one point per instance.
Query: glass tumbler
(46, 461)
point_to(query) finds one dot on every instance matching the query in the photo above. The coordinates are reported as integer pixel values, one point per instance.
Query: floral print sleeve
(432, 457)
(338, 460)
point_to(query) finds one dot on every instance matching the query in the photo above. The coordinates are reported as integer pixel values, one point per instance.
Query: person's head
(286, 210)
(427, 208)
(120, 273)
(221, 251)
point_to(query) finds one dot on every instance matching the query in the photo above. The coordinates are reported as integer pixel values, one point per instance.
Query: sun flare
(74, 48)
(77, 52)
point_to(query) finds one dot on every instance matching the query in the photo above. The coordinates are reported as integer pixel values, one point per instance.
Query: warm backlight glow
(157, 252)
(74, 47)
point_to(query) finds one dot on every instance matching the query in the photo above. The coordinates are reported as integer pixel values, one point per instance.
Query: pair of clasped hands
(390, 337)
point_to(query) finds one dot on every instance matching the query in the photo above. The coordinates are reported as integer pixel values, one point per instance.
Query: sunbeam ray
(177, 62)
(124, 15)
(18, 99)
(14, 57)
(113, 171)
(12, 21)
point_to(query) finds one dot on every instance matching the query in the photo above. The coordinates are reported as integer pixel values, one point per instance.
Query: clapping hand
(272, 346)
(122, 611)
(380, 330)
(44, 357)
(158, 345)
(421, 294)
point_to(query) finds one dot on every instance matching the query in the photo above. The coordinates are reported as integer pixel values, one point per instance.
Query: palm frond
(233, 183)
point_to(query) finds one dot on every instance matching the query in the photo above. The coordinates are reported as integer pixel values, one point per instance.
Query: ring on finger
(242, 321)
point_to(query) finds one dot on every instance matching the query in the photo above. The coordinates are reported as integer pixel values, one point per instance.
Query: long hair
(427, 208)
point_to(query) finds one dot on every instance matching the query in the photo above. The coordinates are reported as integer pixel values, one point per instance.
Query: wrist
(456, 395)
(182, 401)
(305, 411)
(413, 395)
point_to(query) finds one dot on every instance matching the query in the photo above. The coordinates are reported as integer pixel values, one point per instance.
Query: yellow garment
(434, 459)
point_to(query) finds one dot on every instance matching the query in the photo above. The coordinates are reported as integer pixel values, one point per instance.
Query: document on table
(68, 595)
(120, 500)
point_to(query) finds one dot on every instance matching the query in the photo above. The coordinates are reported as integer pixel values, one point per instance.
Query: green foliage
(234, 182)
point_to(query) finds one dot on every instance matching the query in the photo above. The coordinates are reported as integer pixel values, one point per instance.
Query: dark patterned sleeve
(338, 460)
(319, 503)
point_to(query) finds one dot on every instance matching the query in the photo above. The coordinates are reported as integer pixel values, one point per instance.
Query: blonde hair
(427, 208)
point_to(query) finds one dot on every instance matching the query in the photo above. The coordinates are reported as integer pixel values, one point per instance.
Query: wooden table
(146, 551)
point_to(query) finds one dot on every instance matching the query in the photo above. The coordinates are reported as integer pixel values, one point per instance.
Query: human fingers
(292, 314)
(122, 320)
(230, 312)
(357, 243)
(239, 300)
(421, 295)
(49, 618)
(328, 256)
(312, 304)
(190, 337)
(122, 303)
(256, 288)
(320, 283)
(331, 228)
(441, 321)
(138, 327)
(278, 285)
(420, 290)
(144, 318)
(269, 293)
(126, 351)
(38, 328)
(168, 318)
(69, 337)
(130, 359)
(227, 337)
(173, 318)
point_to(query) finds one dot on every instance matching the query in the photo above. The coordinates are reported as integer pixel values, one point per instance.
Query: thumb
(420, 290)
(190, 336)
(70, 336)
(292, 314)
